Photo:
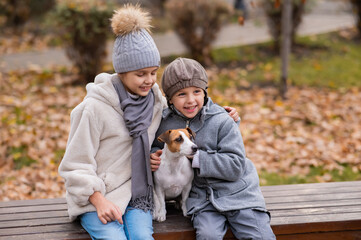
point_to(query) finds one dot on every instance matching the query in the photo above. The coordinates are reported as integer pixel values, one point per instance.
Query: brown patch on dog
(174, 139)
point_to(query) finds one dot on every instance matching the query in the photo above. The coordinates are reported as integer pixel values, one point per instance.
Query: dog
(174, 177)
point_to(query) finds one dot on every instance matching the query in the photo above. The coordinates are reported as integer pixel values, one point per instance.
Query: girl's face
(189, 101)
(139, 82)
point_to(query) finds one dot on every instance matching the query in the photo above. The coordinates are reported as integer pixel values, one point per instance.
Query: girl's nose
(149, 79)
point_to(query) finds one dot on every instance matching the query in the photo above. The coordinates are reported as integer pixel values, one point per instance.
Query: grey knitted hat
(134, 48)
(183, 73)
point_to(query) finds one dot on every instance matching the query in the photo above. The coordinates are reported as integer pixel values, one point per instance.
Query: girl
(106, 164)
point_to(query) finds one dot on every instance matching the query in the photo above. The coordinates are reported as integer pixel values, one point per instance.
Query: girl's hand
(107, 211)
(155, 160)
(232, 113)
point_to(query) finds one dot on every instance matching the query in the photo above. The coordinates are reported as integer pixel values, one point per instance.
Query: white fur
(173, 178)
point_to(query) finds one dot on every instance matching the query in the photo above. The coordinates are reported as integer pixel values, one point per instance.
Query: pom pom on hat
(134, 48)
(130, 19)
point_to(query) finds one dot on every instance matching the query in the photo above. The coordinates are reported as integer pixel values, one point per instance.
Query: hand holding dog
(155, 160)
(107, 211)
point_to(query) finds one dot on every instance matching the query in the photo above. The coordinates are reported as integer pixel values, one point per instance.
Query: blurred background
(301, 127)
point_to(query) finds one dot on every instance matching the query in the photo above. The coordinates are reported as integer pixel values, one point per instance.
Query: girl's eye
(181, 94)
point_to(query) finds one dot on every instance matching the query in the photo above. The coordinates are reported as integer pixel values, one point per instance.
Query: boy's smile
(189, 101)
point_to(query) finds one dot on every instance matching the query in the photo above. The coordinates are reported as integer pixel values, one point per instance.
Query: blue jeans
(137, 224)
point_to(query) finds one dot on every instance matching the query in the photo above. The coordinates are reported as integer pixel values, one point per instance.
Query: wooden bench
(322, 211)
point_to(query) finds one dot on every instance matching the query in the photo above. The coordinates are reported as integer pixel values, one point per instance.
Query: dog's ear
(164, 137)
(193, 134)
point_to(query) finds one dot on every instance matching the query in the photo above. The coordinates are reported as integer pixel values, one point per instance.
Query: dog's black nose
(194, 148)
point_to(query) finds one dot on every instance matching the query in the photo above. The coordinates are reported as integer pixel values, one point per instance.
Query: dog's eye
(179, 139)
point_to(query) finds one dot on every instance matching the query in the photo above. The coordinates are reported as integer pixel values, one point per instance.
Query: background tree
(357, 9)
(273, 11)
(18, 12)
(85, 27)
(197, 23)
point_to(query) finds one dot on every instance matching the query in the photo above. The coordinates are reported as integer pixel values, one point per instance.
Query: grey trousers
(245, 224)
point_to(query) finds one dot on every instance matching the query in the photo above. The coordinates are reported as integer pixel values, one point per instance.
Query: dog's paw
(184, 210)
(159, 217)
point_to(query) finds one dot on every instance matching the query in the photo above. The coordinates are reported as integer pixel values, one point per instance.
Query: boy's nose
(190, 98)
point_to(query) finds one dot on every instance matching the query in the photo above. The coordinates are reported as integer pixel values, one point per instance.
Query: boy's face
(139, 82)
(189, 101)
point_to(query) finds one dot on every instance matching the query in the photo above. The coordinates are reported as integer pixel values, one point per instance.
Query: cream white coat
(98, 153)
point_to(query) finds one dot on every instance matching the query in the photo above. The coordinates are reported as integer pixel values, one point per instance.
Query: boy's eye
(197, 91)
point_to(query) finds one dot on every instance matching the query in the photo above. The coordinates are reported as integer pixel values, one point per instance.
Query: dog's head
(179, 141)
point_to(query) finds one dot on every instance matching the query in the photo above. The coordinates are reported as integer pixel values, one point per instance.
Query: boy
(225, 190)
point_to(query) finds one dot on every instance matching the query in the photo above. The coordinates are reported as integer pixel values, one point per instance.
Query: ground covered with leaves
(313, 129)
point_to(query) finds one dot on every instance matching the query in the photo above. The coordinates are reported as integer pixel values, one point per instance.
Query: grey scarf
(138, 113)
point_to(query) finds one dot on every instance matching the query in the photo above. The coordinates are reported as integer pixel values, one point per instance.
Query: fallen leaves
(312, 128)
(34, 125)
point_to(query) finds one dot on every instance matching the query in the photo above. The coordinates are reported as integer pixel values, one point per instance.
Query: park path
(325, 16)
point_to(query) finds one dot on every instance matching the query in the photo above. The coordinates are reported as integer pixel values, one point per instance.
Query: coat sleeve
(227, 161)
(79, 167)
(157, 145)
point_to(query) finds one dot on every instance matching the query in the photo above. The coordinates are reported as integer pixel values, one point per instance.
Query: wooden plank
(34, 222)
(317, 211)
(32, 215)
(32, 202)
(47, 236)
(328, 185)
(343, 235)
(321, 226)
(67, 227)
(311, 191)
(338, 217)
(316, 197)
(311, 204)
(35, 208)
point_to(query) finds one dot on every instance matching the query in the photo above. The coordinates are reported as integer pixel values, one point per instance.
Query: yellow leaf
(17, 155)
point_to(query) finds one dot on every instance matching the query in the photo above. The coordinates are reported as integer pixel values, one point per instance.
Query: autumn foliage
(314, 127)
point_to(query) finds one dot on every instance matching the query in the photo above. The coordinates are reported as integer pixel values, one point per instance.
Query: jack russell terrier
(175, 174)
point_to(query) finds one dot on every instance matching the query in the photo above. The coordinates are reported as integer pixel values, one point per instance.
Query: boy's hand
(232, 113)
(155, 160)
(107, 211)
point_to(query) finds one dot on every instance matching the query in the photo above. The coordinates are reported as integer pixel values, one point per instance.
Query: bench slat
(66, 227)
(32, 202)
(34, 208)
(32, 215)
(300, 187)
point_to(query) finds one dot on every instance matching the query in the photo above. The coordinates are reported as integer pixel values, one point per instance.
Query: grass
(327, 60)
(316, 174)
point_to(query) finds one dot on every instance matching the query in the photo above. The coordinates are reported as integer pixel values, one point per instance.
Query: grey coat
(226, 177)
